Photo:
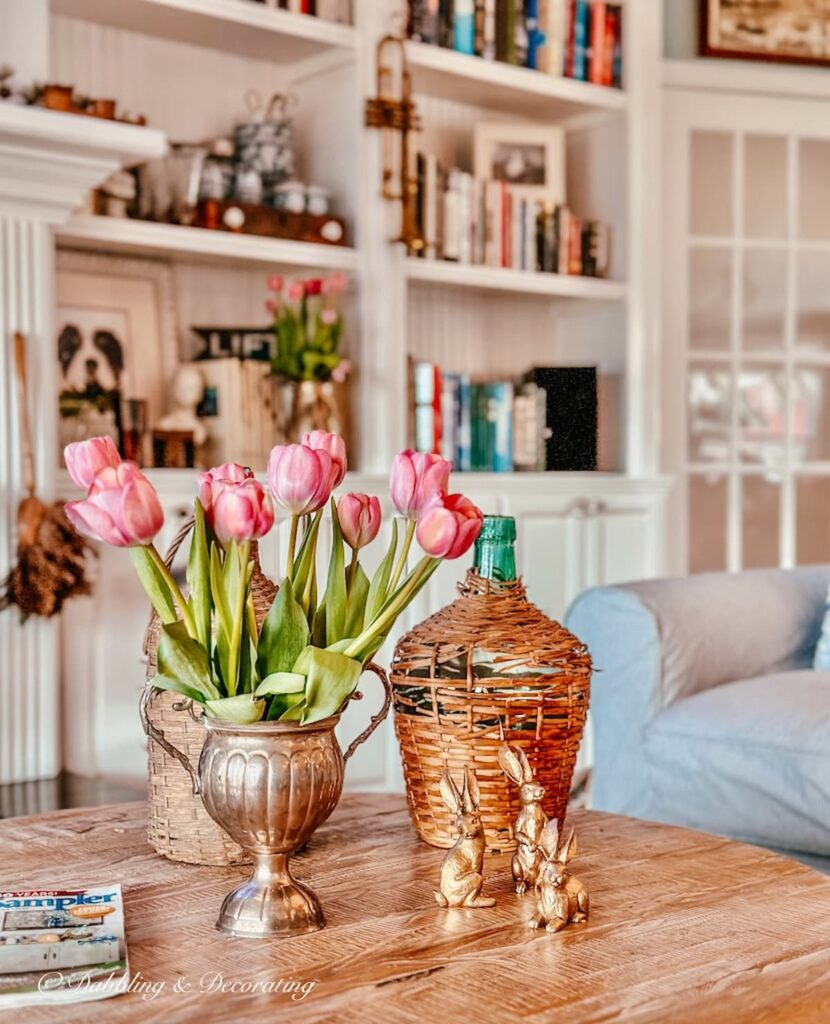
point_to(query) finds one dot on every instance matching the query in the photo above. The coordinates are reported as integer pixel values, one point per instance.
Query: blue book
(464, 32)
(500, 426)
(582, 21)
(463, 434)
(535, 37)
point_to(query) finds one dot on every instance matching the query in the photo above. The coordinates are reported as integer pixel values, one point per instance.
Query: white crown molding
(49, 161)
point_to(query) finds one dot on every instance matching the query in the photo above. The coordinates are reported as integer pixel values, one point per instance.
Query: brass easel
(392, 114)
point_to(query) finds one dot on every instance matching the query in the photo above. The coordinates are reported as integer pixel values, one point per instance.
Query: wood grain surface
(685, 927)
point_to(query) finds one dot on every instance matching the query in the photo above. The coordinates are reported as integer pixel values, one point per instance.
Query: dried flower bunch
(305, 661)
(309, 328)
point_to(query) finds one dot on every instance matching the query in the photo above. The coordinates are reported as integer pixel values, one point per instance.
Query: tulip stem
(175, 590)
(243, 553)
(399, 567)
(352, 571)
(292, 544)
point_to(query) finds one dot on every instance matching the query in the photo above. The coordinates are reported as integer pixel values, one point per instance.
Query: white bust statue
(186, 393)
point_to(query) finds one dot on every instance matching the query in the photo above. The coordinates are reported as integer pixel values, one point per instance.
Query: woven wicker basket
(452, 711)
(179, 827)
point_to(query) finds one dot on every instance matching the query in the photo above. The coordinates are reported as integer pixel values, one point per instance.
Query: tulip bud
(275, 282)
(417, 477)
(301, 479)
(296, 290)
(448, 526)
(122, 508)
(213, 482)
(359, 517)
(86, 458)
(242, 511)
(323, 441)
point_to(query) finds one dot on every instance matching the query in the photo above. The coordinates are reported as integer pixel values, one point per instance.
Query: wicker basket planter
(489, 667)
(179, 826)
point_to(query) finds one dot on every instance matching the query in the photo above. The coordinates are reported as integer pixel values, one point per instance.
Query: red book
(505, 224)
(613, 33)
(570, 37)
(599, 22)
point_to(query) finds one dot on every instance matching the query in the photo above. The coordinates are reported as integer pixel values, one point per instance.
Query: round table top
(684, 927)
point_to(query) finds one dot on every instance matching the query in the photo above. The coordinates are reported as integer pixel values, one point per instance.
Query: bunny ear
(527, 771)
(449, 793)
(569, 849)
(472, 795)
(510, 763)
(549, 839)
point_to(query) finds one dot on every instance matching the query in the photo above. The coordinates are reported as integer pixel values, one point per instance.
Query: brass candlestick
(393, 112)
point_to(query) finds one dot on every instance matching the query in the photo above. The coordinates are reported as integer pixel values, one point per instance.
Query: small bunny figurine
(531, 819)
(461, 876)
(560, 898)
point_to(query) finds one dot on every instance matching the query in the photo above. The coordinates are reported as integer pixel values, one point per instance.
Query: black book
(570, 416)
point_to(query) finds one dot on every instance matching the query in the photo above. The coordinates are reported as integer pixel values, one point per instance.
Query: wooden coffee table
(684, 927)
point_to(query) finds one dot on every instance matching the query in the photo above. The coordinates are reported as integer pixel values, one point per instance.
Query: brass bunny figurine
(531, 819)
(560, 898)
(461, 875)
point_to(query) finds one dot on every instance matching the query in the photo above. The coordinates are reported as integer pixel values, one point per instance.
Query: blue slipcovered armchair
(706, 710)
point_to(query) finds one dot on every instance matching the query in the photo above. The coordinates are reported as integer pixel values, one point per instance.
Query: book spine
(464, 26)
(445, 24)
(563, 231)
(531, 213)
(478, 23)
(582, 15)
(452, 225)
(464, 216)
(463, 457)
(533, 32)
(478, 428)
(519, 34)
(569, 28)
(449, 416)
(554, 29)
(596, 67)
(575, 246)
(608, 37)
(489, 46)
(617, 63)
(430, 221)
(500, 427)
(427, 425)
(505, 224)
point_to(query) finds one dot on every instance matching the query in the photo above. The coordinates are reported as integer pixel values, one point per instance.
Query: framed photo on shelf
(531, 158)
(791, 31)
(115, 342)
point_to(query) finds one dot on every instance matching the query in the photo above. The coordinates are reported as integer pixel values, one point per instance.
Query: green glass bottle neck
(495, 556)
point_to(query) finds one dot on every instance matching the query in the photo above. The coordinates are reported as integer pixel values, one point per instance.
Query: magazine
(61, 946)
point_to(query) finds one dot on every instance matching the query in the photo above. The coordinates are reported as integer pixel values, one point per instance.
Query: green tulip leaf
(223, 614)
(284, 633)
(291, 708)
(198, 576)
(154, 583)
(380, 581)
(305, 561)
(281, 682)
(242, 709)
(182, 659)
(335, 597)
(161, 682)
(356, 603)
(331, 678)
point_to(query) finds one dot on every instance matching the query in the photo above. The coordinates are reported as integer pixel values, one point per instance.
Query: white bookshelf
(517, 282)
(173, 241)
(238, 26)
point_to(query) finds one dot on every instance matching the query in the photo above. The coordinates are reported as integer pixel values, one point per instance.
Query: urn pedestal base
(271, 903)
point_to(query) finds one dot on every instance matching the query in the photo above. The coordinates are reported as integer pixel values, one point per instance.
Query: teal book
(500, 426)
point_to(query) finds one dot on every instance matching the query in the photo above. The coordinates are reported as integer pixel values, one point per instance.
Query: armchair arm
(657, 642)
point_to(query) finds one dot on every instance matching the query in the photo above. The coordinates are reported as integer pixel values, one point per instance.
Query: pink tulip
(301, 479)
(242, 511)
(86, 458)
(341, 371)
(276, 282)
(323, 441)
(329, 317)
(448, 526)
(122, 508)
(359, 517)
(334, 284)
(270, 306)
(416, 478)
(214, 481)
(296, 290)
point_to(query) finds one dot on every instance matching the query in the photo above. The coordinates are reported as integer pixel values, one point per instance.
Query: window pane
(710, 298)
(707, 523)
(761, 519)
(761, 415)
(765, 197)
(764, 298)
(813, 298)
(709, 414)
(810, 413)
(814, 174)
(711, 183)
(812, 510)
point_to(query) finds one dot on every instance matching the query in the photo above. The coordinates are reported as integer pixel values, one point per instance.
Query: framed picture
(794, 31)
(529, 157)
(115, 341)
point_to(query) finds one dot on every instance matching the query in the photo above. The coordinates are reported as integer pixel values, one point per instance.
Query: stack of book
(579, 39)
(546, 420)
(328, 10)
(491, 223)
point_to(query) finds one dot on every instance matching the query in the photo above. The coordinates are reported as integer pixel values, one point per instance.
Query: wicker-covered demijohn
(179, 826)
(487, 668)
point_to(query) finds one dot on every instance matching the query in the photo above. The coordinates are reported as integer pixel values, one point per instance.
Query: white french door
(747, 328)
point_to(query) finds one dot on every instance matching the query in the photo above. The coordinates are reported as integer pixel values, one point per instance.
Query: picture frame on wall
(788, 31)
(115, 344)
(530, 158)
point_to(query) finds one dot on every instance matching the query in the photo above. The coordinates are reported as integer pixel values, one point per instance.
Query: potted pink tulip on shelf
(269, 696)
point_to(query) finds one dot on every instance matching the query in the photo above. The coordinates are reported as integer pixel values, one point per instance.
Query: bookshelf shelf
(504, 88)
(146, 238)
(236, 26)
(460, 275)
